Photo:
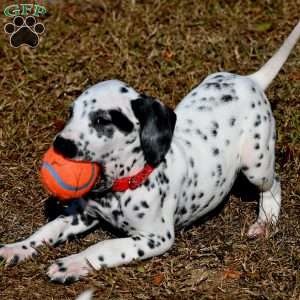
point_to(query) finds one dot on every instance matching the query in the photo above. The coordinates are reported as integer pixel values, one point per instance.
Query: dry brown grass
(163, 48)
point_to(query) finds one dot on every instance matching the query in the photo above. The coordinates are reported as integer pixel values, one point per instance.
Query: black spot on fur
(141, 215)
(213, 84)
(216, 151)
(127, 201)
(141, 253)
(218, 76)
(14, 260)
(62, 269)
(136, 149)
(144, 204)
(257, 121)
(226, 98)
(219, 169)
(214, 132)
(123, 89)
(183, 211)
(215, 124)
(151, 244)
(192, 164)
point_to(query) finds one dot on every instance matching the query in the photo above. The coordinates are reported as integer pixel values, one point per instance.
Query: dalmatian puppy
(174, 166)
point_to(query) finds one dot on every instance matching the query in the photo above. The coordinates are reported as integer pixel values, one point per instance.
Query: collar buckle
(133, 183)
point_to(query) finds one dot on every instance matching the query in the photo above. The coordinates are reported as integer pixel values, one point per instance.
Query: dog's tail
(264, 76)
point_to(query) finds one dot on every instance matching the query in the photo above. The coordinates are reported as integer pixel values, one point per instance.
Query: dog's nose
(65, 147)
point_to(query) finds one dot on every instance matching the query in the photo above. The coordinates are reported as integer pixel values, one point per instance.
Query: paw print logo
(24, 31)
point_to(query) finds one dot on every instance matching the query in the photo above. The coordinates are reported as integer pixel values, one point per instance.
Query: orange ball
(67, 179)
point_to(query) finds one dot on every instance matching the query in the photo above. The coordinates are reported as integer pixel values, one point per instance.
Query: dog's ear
(157, 123)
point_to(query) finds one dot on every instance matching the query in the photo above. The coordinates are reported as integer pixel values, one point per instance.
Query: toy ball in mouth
(67, 179)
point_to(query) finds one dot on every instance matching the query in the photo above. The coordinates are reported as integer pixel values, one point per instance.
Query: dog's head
(111, 123)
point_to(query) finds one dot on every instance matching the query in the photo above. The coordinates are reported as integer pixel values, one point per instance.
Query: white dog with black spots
(222, 127)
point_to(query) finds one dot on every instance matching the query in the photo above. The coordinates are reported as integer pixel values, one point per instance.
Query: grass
(162, 48)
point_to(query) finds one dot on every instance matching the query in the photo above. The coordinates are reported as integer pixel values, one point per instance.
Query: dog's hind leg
(258, 163)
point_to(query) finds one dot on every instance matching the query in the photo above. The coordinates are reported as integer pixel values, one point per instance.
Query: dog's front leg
(110, 253)
(52, 233)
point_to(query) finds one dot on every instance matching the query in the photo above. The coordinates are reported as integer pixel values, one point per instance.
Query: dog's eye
(100, 121)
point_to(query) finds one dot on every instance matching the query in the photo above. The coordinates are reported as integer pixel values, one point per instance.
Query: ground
(162, 48)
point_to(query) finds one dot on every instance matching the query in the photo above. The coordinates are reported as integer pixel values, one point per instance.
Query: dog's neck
(123, 162)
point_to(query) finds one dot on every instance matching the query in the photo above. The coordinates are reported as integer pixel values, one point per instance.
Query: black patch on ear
(121, 121)
(157, 122)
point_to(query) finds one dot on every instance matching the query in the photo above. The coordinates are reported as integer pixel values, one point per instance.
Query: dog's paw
(13, 254)
(69, 269)
(257, 230)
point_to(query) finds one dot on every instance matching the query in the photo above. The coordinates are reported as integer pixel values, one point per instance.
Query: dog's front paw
(69, 269)
(257, 230)
(12, 254)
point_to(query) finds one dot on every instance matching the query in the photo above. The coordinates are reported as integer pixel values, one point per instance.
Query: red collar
(132, 182)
